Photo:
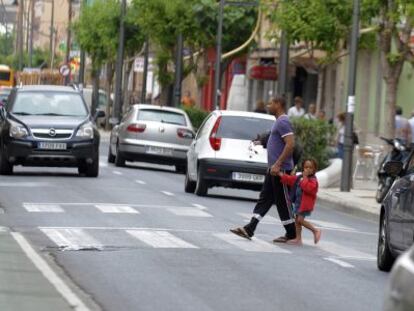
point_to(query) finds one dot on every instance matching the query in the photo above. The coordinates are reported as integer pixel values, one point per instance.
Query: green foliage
(314, 137)
(196, 115)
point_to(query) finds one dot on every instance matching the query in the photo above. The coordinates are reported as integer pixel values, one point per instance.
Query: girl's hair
(311, 160)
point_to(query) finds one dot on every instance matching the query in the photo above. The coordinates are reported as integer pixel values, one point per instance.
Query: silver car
(154, 134)
(400, 292)
(222, 154)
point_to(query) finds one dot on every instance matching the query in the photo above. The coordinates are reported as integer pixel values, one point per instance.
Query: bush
(314, 137)
(196, 115)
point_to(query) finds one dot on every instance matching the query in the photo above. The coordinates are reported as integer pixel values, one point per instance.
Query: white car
(222, 153)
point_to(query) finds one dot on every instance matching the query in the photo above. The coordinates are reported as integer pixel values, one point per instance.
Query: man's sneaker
(241, 232)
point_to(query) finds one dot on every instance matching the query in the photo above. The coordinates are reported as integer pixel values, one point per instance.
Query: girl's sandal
(294, 242)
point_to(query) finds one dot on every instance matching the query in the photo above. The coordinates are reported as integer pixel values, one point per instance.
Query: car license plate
(159, 150)
(255, 178)
(51, 146)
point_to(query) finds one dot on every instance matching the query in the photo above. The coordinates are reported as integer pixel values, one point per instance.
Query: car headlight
(85, 131)
(18, 131)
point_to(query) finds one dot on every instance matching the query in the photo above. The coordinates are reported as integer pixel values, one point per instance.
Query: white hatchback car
(222, 153)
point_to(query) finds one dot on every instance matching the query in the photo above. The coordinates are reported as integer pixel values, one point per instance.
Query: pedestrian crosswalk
(100, 238)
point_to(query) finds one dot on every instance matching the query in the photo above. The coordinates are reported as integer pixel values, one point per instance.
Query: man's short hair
(398, 111)
(281, 100)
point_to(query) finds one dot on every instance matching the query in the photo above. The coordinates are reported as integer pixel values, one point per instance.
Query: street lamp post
(81, 79)
(346, 179)
(145, 73)
(178, 71)
(282, 85)
(217, 77)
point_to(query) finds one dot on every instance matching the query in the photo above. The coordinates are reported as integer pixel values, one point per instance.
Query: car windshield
(244, 128)
(162, 116)
(49, 104)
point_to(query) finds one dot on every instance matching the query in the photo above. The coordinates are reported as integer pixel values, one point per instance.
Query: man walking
(279, 149)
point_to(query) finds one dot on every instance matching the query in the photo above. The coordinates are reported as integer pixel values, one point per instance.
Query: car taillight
(136, 128)
(215, 141)
(185, 133)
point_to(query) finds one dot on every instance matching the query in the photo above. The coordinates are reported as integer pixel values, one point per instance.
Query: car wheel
(385, 259)
(111, 157)
(181, 169)
(201, 188)
(119, 158)
(6, 168)
(92, 170)
(189, 186)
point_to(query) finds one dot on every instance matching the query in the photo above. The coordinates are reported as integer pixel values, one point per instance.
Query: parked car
(102, 103)
(399, 295)
(153, 134)
(222, 153)
(4, 94)
(48, 126)
(396, 229)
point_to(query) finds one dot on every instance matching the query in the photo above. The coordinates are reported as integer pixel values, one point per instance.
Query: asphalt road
(134, 240)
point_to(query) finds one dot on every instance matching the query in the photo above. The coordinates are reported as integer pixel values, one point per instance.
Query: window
(162, 116)
(4, 75)
(245, 128)
(49, 103)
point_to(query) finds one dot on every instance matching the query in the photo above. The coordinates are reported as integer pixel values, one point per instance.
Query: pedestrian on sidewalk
(297, 110)
(311, 114)
(303, 198)
(280, 147)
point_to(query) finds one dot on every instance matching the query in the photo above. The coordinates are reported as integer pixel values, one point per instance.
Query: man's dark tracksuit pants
(274, 192)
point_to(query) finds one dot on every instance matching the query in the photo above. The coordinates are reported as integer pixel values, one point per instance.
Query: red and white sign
(263, 72)
(64, 70)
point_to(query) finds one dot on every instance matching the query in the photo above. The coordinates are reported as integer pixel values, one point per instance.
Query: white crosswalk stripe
(255, 245)
(340, 250)
(189, 212)
(71, 239)
(160, 239)
(116, 209)
(43, 208)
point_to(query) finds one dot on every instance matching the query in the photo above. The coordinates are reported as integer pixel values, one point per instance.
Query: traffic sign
(64, 70)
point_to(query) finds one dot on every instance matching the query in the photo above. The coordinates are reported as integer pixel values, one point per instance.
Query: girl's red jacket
(309, 188)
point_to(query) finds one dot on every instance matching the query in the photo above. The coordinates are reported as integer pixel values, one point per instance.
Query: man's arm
(287, 152)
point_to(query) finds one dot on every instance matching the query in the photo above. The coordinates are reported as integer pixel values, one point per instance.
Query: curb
(369, 211)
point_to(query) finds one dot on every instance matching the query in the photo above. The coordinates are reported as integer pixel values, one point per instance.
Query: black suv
(48, 126)
(396, 229)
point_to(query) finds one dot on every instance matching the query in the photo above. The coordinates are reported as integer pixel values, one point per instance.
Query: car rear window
(162, 116)
(49, 104)
(244, 128)
(4, 75)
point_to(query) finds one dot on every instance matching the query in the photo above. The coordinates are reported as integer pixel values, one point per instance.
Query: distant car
(4, 94)
(48, 126)
(150, 133)
(222, 153)
(399, 295)
(102, 102)
(396, 229)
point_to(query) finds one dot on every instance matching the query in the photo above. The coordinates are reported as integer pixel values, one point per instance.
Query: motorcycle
(400, 152)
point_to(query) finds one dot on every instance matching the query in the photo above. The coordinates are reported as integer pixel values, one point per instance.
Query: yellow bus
(6, 76)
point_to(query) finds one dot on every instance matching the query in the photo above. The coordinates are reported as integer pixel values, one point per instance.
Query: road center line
(49, 274)
(339, 262)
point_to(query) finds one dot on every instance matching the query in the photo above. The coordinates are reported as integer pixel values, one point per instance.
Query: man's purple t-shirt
(275, 145)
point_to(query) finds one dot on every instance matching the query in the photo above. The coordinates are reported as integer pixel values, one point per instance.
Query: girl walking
(304, 190)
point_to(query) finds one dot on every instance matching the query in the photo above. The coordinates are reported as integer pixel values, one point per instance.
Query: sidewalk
(26, 284)
(360, 201)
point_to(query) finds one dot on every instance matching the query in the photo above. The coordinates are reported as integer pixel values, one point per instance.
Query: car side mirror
(394, 168)
(99, 114)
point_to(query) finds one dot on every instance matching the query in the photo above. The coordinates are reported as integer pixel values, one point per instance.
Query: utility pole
(81, 80)
(145, 73)
(346, 180)
(178, 71)
(31, 15)
(20, 34)
(5, 21)
(52, 32)
(217, 77)
(282, 85)
(116, 112)
(68, 41)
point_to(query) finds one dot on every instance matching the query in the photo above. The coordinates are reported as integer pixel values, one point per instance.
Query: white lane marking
(114, 204)
(267, 220)
(71, 239)
(339, 262)
(103, 164)
(255, 245)
(127, 228)
(114, 209)
(117, 172)
(189, 212)
(141, 182)
(43, 208)
(170, 194)
(160, 239)
(332, 225)
(372, 258)
(339, 250)
(26, 184)
(4, 229)
(72, 299)
(199, 206)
